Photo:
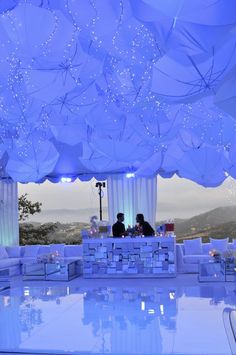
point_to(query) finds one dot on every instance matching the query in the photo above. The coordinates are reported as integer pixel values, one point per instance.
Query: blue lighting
(130, 175)
(65, 179)
(80, 97)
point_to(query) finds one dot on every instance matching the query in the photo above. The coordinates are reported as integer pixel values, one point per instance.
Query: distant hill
(215, 218)
(66, 215)
(217, 223)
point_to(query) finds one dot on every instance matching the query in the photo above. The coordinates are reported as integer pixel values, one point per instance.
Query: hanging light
(130, 175)
(65, 179)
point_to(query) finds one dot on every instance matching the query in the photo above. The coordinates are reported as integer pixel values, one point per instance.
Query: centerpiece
(50, 258)
(216, 254)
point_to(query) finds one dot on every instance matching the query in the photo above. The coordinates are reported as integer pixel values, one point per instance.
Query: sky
(176, 197)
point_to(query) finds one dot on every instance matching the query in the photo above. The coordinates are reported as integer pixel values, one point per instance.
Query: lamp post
(100, 193)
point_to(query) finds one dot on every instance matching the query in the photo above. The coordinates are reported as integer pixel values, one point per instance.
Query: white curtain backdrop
(9, 225)
(132, 196)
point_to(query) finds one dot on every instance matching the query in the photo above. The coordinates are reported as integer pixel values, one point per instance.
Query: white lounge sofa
(12, 258)
(189, 256)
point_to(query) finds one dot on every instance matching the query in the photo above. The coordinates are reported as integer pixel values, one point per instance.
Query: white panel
(132, 196)
(9, 225)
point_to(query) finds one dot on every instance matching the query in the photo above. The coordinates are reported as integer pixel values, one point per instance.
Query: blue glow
(66, 179)
(130, 175)
(118, 317)
(92, 88)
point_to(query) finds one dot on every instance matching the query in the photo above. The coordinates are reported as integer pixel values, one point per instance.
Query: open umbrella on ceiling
(177, 76)
(107, 120)
(173, 31)
(151, 166)
(202, 122)
(205, 165)
(122, 151)
(69, 129)
(8, 5)
(172, 154)
(76, 102)
(54, 75)
(225, 97)
(205, 12)
(68, 163)
(31, 161)
(97, 162)
(36, 31)
(232, 159)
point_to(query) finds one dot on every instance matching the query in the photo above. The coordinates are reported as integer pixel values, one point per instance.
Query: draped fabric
(131, 196)
(9, 226)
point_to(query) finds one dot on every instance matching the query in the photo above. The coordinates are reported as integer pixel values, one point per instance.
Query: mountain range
(220, 221)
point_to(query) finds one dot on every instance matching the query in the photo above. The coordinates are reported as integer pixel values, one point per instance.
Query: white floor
(150, 316)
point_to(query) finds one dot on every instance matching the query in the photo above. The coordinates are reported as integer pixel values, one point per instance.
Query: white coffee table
(210, 271)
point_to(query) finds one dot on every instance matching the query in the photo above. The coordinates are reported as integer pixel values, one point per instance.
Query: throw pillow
(3, 252)
(57, 248)
(13, 252)
(31, 251)
(233, 245)
(219, 244)
(193, 246)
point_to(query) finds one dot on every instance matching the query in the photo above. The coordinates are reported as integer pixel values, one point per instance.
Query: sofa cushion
(57, 248)
(31, 251)
(4, 263)
(44, 249)
(206, 247)
(28, 260)
(3, 252)
(73, 251)
(13, 252)
(193, 246)
(219, 244)
(233, 245)
(195, 259)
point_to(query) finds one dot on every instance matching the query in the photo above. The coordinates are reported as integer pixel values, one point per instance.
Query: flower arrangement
(130, 231)
(214, 253)
(93, 226)
(48, 258)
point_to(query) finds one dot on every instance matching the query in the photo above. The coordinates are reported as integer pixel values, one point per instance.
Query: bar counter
(129, 257)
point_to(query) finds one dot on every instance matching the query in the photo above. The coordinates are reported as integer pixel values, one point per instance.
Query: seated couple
(142, 228)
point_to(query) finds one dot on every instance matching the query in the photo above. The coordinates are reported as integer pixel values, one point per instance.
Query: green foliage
(26, 207)
(33, 234)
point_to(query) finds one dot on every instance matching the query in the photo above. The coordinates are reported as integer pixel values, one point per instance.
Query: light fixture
(130, 175)
(65, 179)
(142, 306)
(162, 309)
(151, 311)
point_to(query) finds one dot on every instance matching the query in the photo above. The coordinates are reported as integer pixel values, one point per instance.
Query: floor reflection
(114, 320)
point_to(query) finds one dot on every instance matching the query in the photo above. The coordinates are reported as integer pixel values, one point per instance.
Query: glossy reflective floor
(175, 316)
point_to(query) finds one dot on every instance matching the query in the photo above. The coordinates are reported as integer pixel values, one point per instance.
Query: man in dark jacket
(118, 229)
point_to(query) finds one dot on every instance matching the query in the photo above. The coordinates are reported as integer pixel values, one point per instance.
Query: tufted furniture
(11, 258)
(189, 256)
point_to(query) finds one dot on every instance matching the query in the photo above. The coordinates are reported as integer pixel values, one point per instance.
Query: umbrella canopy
(204, 166)
(178, 76)
(31, 162)
(226, 96)
(92, 88)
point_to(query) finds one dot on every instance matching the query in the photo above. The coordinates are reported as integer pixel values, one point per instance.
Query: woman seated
(144, 227)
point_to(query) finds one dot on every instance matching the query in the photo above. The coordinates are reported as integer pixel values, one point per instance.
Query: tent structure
(100, 88)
